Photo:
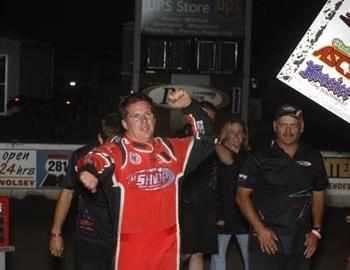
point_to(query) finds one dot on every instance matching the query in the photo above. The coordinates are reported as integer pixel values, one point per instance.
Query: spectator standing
(93, 225)
(231, 150)
(287, 179)
(197, 206)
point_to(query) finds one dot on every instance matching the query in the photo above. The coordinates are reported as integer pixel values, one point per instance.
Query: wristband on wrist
(56, 235)
(317, 233)
(318, 229)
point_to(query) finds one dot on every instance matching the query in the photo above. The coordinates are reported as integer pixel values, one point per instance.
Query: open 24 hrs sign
(17, 168)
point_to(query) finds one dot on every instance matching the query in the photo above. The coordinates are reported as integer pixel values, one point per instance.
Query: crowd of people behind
(151, 203)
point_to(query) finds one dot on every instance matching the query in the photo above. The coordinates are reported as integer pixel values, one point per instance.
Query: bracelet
(317, 229)
(317, 233)
(56, 235)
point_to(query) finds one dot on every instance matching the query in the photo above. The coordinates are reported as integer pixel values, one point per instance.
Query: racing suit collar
(140, 146)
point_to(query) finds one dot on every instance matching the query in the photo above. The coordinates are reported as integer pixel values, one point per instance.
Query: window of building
(3, 84)
(190, 55)
(206, 56)
(177, 56)
(228, 57)
(156, 54)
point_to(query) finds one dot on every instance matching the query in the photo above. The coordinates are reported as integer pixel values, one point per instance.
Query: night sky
(81, 29)
(77, 30)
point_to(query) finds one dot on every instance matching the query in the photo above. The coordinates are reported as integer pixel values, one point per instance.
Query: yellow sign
(337, 167)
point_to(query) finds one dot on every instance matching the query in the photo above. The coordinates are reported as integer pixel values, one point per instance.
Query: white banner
(32, 166)
(17, 168)
(159, 94)
(319, 67)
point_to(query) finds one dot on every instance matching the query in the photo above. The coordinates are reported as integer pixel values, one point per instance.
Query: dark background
(88, 36)
(81, 32)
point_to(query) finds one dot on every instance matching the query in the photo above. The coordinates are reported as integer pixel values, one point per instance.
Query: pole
(137, 47)
(246, 59)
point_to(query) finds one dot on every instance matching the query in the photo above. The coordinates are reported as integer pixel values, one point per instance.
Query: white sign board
(17, 168)
(193, 17)
(33, 165)
(319, 67)
(159, 94)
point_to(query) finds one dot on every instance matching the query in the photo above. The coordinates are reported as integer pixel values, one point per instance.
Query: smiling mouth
(144, 129)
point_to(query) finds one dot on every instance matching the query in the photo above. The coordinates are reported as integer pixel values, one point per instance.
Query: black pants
(92, 256)
(278, 261)
(198, 230)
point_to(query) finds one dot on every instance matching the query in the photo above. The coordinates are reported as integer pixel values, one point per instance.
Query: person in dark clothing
(197, 206)
(93, 225)
(287, 179)
(231, 150)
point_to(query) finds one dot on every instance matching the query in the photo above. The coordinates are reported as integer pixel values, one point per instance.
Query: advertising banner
(34, 166)
(51, 165)
(319, 67)
(17, 168)
(193, 17)
(160, 93)
(338, 171)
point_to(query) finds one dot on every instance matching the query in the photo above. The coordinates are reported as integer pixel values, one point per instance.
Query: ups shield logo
(229, 9)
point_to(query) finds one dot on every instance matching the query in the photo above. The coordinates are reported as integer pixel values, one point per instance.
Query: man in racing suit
(140, 173)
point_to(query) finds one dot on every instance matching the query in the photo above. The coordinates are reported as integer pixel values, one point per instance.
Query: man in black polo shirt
(281, 192)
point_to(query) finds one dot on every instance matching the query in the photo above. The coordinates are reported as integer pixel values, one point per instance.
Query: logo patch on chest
(135, 158)
(151, 179)
(304, 163)
(242, 176)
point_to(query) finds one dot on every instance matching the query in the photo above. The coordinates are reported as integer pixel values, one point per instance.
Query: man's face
(288, 130)
(140, 121)
(211, 114)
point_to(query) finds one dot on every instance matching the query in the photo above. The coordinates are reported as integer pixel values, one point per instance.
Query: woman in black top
(231, 151)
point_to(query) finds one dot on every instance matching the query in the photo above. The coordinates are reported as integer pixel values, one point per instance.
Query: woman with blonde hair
(231, 150)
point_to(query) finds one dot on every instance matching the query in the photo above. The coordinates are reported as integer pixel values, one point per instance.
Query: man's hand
(310, 244)
(89, 181)
(179, 99)
(56, 246)
(220, 222)
(267, 239)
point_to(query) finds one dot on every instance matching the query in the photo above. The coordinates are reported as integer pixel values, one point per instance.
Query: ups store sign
(220, 18)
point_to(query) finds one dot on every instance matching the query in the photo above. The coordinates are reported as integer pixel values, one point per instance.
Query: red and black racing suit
(141, 181)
